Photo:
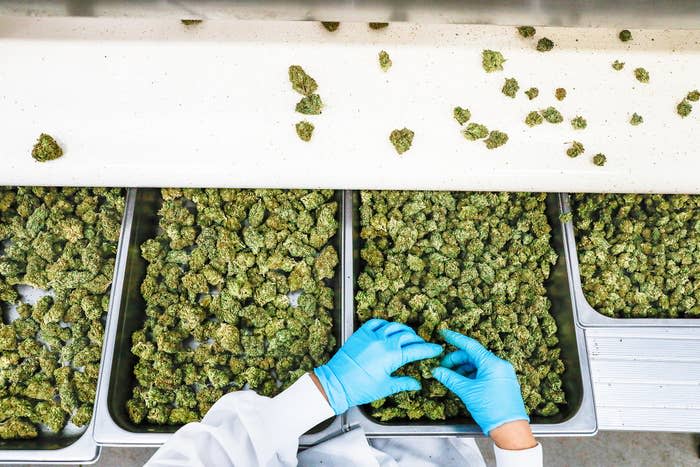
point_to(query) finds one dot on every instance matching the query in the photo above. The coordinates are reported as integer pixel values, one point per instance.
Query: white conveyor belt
(154, 103)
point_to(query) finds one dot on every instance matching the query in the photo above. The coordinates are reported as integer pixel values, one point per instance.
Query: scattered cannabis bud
(526, 31)
(376, 26)
(625, 35)
(310, 105)
(218, 315)
(62, 240)
(475, 131)
(579, 123)
(693, 96)
(560, 94)
(565, 217)
(384, 60)
(401, 139)
(684, 108)
(510, 87)
(46, 149)
(642, 75)
(532, 93)
(638, 254)
(636, 119)
(476, 263)
(190, 22)
(462, 115)
(575, 150)
(331, 26)
(552, 115)
(545, 45)
(492, 60)
(617, 65)
(600, 159)
(533, 119)
(301, 82)
(496, 139)
(305, 130)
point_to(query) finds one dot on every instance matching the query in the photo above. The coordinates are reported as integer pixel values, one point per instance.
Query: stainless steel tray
(80, 448)
(112, 425)
(578, 418)
(587, 316)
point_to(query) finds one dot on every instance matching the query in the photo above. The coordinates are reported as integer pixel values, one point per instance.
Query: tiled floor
(617, 449)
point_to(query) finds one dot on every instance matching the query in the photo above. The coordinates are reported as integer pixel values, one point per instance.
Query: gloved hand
(360, 372)
(485, 383)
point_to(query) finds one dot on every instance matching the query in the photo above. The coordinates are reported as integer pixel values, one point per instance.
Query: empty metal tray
(577, 418)
(112, 425)
(588, 316)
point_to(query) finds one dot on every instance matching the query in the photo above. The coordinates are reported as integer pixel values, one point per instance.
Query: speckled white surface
(153, 103)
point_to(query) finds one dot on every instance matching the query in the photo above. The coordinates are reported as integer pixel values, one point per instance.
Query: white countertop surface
(154, 103)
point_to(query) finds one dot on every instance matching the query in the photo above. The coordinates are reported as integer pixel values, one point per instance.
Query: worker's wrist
(318, 384)
(513, 436)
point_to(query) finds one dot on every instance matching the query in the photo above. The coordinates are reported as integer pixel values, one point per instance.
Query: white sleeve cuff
(524, 458)
(301, 406)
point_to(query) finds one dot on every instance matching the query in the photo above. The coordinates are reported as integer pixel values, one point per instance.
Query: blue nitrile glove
(485, 383)
(360, 372)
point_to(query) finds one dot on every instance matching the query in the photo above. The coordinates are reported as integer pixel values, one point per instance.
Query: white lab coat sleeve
(524, 458)
(246, 429)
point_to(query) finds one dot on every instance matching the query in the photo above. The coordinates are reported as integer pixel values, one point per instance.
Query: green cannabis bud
(526, 31)
(565, 217)
(532, 93)
(377, 26)
(190, 22)
(545, 45)
(693, 96)
(492, 60)
(496, 139)
(475, 131)
(331, 26)
(600, 159)
(46, 149)
(304, 130)
(384, 60)
(534, 118)
(560, 94)
(684, 108)
(510, 87)
(301, 82)
(579, 123)
(638, 253)
(636, 119)
(461, 114)
(642, 75)
(625, 35)
(552, 115)
(401, 139)
(575, 150)
(310, 105)
(618, 65)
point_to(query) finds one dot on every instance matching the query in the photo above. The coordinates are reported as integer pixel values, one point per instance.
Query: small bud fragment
(600, 159)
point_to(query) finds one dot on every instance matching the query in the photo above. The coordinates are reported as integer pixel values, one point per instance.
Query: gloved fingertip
(406, 383)
(437, 349)
(438, 373)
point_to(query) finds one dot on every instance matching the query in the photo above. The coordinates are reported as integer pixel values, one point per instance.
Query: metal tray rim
(583, 423)
(586, 315)
(105, 430)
